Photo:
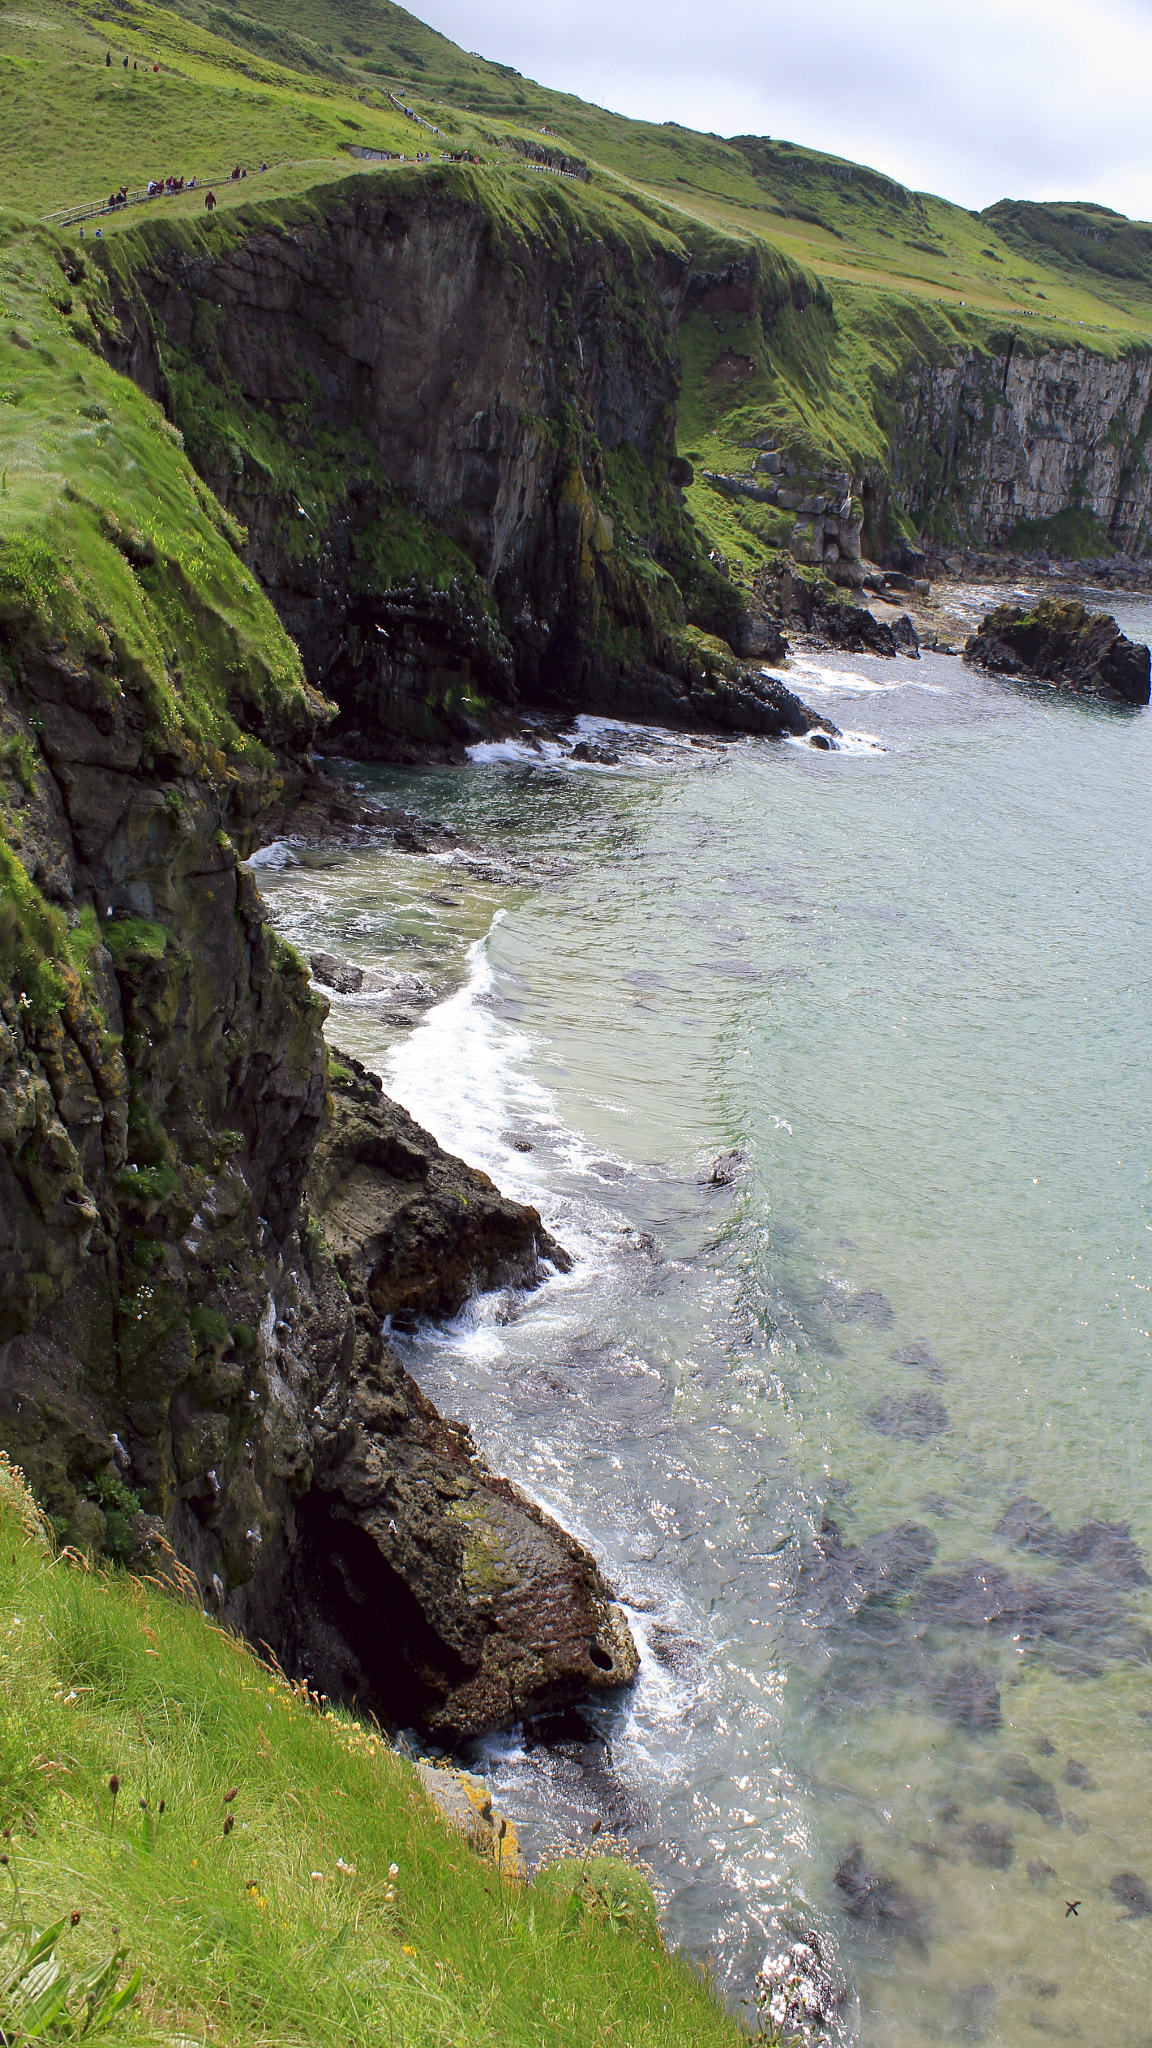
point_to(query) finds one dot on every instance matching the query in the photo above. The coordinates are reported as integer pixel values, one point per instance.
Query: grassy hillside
(866, 280)
(308, 77)
(845, 221)
(275, 1872)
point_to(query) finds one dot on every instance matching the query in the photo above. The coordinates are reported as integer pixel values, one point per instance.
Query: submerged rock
(1020, 1785)
(972, 2010)
(880, 1901)
(990, 1846)
(916, 1418)
(1108, 1547)
(862, 1305)
(1131, 1891)
(836, 1579)
(918, 1355)
(967, 1695)
(1062, 643)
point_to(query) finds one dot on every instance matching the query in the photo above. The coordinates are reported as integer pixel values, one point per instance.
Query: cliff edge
(204, 1222)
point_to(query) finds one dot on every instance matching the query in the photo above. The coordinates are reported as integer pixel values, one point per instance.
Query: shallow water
(910, 981)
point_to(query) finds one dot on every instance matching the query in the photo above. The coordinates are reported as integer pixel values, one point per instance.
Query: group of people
(135, 66)
(160, 188)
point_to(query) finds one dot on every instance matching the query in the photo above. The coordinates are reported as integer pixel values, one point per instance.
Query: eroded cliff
(445, 408)
(186, 1358)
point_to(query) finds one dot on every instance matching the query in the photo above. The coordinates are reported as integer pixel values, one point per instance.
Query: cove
(860, 1433)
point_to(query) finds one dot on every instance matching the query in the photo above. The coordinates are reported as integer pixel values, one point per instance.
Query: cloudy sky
(974, 99)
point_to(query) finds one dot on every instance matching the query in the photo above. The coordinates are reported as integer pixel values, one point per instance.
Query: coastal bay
(794, 1413)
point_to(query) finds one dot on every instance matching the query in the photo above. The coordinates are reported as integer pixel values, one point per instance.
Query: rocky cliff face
(200, 1239)
(203, 1220)
(451, 438)
(985, 442)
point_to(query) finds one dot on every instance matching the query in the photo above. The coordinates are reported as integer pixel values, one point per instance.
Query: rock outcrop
(1065, 645)
(419, 1580)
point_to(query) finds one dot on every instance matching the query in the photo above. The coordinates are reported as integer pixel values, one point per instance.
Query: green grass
(1075, 533)
(245, 1862)
(109, 542)
(298, 83)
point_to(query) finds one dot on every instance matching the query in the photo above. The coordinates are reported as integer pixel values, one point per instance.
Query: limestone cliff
(986, 442)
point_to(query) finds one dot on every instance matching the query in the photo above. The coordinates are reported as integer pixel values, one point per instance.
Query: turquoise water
(909, 981)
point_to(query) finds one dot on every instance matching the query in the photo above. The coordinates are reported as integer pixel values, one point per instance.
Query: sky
(977, 100)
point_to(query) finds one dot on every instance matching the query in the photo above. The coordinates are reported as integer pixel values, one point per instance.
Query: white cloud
(1028, 99)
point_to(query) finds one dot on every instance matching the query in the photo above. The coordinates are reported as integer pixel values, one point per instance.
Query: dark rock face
(728, 1168)
(184, 1358)
(409, 1222)
(905, 636)
(1065, 645)
(853, 629)
(830, 620)
(473, 386)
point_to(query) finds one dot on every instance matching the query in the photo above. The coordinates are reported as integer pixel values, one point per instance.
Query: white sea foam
(460, 1073)
(845, 743)
(812, 679)
(633, 744)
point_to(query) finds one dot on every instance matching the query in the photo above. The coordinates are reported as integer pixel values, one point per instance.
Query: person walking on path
(108, 59)
(210, 201)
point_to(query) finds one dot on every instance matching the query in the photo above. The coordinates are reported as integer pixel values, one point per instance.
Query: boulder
(1065, 645)
(337, 974)
(905, 635)
(851, 627)
(758, 638)
(421, 1583)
